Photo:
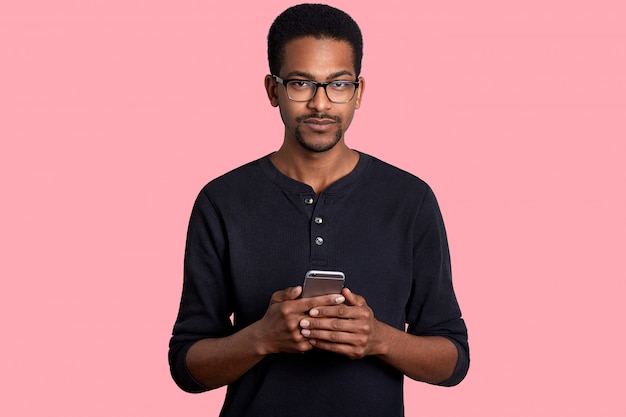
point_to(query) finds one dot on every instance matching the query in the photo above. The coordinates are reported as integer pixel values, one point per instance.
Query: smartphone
(322, 283)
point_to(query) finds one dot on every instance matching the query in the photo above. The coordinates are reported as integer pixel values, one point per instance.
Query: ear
(271, 89)
(359, 92)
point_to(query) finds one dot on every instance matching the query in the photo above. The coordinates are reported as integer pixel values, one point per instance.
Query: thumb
(290, 293)
(353, 299)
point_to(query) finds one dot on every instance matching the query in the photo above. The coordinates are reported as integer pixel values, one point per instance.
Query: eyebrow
(311, 77)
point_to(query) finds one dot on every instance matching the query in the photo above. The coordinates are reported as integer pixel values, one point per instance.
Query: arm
(435, 348)
(215, 362)
(352, 330)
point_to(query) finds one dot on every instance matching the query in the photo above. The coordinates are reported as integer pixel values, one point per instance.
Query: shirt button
(308, 200)
(318, 220)
(319, 241)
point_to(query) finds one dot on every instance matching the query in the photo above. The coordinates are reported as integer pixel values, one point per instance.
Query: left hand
(349, 329)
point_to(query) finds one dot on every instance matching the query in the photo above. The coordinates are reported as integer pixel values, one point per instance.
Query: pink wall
(114, 114)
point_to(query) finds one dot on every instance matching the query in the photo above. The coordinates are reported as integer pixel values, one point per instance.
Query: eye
(340, 85)
(301, 84)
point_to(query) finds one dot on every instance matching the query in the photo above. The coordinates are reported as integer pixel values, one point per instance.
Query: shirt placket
(317, 209)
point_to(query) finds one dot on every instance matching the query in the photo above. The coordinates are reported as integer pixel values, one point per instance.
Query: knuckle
(284, 310)
(276, 297)
(293, 326)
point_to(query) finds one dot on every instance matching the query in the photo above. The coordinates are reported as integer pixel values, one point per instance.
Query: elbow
(180, 373)
(461, 368)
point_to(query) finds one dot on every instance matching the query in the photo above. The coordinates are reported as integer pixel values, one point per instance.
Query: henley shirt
(254, 231)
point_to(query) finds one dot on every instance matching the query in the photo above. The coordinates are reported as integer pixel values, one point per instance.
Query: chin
(319, 145)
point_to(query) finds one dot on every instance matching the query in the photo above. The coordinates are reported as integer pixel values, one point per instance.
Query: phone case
(318, 282)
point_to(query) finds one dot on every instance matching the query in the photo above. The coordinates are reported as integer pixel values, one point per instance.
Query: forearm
(430, 359)
(220, 361)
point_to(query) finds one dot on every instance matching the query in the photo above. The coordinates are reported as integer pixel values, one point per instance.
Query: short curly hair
(317, 20)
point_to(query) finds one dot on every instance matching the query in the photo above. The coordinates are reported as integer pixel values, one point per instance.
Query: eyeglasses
(303, 90)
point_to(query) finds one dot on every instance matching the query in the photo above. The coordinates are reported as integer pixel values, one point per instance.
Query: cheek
(285, 115)
(288, 114)
(348, 118)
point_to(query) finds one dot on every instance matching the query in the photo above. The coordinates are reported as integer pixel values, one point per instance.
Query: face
(318, 124)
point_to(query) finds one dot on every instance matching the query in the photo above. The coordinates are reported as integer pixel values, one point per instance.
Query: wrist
(259, 342)
(384, 340)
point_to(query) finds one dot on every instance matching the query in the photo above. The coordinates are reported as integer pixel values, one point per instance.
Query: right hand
(280, 326)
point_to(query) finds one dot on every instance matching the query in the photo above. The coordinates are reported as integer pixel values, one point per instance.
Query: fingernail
(304, 323)
(340, 299)
(305, 332)
(314, 312)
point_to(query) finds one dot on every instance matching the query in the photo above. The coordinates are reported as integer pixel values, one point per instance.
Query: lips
(320, 125)
(320, 122)
(319, 118)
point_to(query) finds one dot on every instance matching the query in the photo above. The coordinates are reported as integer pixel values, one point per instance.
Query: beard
(315, 146)
(318, 146)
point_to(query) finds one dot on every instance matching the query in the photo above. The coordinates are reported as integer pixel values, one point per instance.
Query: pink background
(113, 115)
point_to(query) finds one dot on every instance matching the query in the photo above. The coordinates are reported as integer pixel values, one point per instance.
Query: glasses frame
(317, 85)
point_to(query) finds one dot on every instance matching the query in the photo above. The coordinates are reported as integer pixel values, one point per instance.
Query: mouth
(320, 124)
(320, 121)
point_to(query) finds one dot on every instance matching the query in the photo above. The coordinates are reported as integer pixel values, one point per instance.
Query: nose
(320, 100)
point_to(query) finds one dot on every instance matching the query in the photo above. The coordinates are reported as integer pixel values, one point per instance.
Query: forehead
(321, 58)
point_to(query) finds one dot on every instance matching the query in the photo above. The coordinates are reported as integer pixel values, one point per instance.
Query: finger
(302, 344)
(335, 336)
(352, 298)
(349, 350)
(323, 300)
(334, 325)
(290, 293)
(324, 324)
(342, 311)
(326, 335)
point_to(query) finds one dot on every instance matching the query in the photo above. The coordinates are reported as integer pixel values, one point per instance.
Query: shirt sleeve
(205, 306)
(433, 309)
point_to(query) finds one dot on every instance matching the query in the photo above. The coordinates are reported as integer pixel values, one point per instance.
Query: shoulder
(241, 174)
(393, 181)
(232, 190)
(239, 181)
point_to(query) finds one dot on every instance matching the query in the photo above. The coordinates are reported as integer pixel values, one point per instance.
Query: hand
(349, 329)
(279, 329)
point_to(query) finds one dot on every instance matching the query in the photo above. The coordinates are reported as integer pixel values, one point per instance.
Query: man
(316, 204)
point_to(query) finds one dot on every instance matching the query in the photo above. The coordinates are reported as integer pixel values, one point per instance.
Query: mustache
(301, 119)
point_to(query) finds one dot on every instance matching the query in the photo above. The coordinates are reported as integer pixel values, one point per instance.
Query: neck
(316, 169)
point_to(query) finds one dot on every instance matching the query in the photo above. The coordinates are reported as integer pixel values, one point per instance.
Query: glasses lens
(340, 92)
(300, 90)
(337, 92)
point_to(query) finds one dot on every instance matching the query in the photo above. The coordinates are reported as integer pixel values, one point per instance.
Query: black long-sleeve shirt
(255, 231)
